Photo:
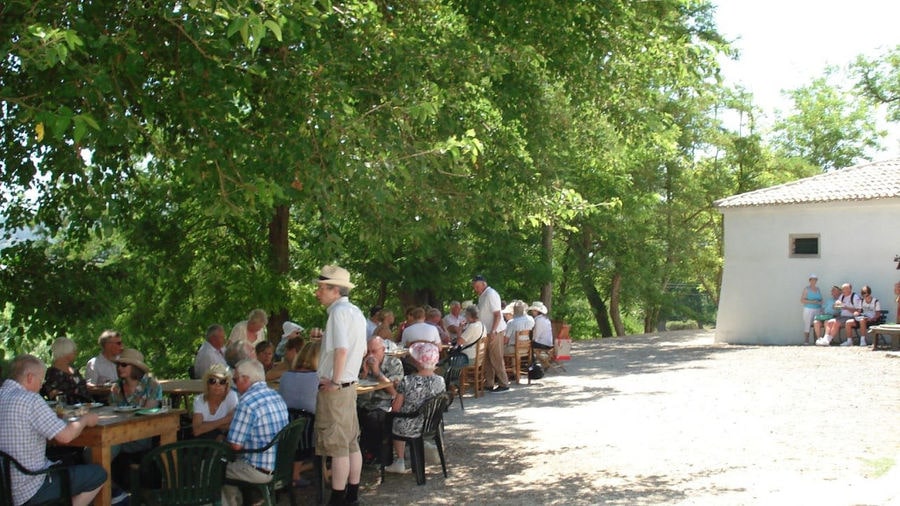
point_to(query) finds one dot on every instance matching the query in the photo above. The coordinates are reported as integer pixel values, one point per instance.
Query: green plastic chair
(288, 441)
(184, 473)
(7, 463)
(432, 412)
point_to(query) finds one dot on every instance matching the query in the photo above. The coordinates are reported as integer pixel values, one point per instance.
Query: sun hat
(509, 308)
(538, 306)
(289, 328)
(425, 354)
(813, 276)
(334, 275)
(132, 357)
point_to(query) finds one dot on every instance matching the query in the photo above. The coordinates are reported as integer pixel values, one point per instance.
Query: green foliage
(154, 146)
(879, 79)
(830, 127)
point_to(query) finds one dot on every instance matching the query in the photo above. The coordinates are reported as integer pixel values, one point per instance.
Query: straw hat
(334, 275)
(133, 357)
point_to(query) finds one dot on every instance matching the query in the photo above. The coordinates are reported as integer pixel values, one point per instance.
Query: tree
(879, 79)
(830, 127)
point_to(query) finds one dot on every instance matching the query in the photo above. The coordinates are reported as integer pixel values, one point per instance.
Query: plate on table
(88, 405)
(367, 383)
(126, 409)
(147, 411)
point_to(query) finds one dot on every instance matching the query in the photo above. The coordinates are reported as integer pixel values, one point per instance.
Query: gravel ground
(673, 418)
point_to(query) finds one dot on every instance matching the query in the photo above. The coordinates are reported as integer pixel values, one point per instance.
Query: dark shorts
(84, 478)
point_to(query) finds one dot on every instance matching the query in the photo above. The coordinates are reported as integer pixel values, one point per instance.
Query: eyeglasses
(122, 364)
(220, 381)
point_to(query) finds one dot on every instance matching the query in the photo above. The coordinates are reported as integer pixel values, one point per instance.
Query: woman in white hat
(135, 386)
(543, 331)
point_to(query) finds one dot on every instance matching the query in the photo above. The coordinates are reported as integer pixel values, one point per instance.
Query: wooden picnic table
(116, 428)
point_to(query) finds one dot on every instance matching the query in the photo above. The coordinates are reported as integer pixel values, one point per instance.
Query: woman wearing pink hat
(413, 390)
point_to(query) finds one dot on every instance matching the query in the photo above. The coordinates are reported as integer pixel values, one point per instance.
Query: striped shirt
(260, 414)
(26, 423)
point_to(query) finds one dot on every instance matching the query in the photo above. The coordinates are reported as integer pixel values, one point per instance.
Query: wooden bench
(889, 330)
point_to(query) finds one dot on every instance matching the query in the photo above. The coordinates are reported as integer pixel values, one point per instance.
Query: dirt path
(674, 419)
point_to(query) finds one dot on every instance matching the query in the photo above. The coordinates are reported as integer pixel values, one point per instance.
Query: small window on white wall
(804, 246)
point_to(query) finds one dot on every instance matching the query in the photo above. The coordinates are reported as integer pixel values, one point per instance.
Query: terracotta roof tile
(876, 180)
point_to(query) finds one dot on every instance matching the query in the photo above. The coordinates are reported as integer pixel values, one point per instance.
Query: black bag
(535, 371)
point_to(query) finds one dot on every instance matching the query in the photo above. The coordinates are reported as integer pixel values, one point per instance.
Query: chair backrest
(288, 440)
(432, 411)
(480, 353)
(7, 463)
(184, 473)
(308, 438)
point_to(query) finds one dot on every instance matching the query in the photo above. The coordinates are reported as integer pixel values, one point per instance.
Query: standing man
(489, 311)
(101, 369)
(26, 423)
(212, 351)
(343, 349)
(260, 414)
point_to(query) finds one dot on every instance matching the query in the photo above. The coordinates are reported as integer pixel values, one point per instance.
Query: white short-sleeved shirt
(420, 331)
(201, 407)
(346, 328)
(488, 304)
(543, 330)
(100, 370)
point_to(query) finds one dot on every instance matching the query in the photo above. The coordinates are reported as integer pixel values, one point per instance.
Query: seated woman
(300, 385)
(214, 408)
(411, 393)
(62, 378)
(291, 350)
(299, 388)
(136, 387)
(384, 329)
(472, 332)
(830, 309)
(869, 312)
(265, 353)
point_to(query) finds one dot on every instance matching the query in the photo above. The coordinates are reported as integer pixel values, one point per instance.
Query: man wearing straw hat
(343, 349)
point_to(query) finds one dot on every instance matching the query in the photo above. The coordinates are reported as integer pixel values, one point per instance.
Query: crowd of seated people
(846, 311)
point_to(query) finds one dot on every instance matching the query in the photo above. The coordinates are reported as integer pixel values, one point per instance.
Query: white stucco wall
(761, 283)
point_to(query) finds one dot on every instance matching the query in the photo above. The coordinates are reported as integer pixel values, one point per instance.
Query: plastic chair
(184, 473)
(473, 374)
(288, 441)
(7, 463)
(432, 411)
(452, 376)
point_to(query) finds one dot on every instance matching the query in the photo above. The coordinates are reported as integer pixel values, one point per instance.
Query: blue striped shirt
(260, 414)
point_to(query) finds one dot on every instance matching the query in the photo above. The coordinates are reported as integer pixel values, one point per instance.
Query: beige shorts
(337, 426)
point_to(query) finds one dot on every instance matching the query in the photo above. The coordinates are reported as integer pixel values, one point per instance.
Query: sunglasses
(122, 364)
(220, 381)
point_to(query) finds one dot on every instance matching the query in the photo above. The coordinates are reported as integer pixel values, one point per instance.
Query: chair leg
(417, 456)
(439, 442)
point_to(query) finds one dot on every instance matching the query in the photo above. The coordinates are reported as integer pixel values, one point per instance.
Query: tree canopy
(179, 163)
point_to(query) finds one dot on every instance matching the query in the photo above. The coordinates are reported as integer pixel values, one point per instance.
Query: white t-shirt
(488, 304)
(420, 331)
(459, 321)
(228, 404)
(346, 328)
(100, 370)
(524, 322)
(543, 330)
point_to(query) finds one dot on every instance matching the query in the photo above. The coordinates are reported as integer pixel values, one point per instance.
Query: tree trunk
(598, 307)
(280, 263)
(614, 312)
(547, 259)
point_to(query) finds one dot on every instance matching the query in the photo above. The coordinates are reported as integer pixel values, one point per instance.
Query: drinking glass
(166, 403)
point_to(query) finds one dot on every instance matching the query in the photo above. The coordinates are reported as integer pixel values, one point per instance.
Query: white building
(842, 225)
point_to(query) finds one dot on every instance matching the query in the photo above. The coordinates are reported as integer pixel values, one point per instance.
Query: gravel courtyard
(672, 418)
